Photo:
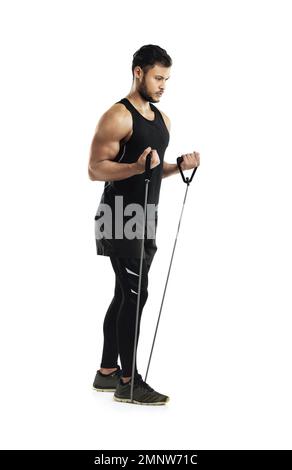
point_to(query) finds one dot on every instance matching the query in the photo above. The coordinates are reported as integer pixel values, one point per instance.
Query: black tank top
(146, 133)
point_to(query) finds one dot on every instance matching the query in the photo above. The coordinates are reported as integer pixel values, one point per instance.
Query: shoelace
(139, 381)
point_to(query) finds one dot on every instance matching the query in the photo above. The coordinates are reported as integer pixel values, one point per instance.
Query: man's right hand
(141, 162)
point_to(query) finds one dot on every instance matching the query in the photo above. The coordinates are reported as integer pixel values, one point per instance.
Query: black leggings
(120, 318)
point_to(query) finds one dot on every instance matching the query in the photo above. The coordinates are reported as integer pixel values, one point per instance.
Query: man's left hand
(190, 160)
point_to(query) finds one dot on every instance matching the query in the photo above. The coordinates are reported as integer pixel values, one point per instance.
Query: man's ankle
(105, 370)
(126, 379)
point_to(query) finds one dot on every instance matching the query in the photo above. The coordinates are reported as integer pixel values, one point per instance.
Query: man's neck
(139, 102)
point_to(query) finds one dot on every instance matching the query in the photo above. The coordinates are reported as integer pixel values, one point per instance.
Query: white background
(223, 350)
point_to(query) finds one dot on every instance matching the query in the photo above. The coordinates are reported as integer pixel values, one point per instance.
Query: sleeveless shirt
(146, 133)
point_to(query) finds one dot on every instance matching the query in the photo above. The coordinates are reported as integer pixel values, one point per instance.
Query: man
(126, 133)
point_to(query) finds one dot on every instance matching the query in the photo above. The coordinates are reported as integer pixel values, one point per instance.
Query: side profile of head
(151, 67)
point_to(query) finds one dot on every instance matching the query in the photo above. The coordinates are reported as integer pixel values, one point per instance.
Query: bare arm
(113, 126)
(169, 169)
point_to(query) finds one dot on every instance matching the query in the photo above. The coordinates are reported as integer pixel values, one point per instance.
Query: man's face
(153, 83)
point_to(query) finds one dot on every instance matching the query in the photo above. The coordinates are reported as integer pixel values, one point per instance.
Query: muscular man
(124, 136)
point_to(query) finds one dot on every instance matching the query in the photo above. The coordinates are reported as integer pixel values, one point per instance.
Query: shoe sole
(128, 400)
(104, 389)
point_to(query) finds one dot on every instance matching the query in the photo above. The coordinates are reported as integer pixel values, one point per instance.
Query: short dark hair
(147, 56)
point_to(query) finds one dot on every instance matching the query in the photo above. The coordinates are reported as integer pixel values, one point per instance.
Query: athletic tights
(120, 318)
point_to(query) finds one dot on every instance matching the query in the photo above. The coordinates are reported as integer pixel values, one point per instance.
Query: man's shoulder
(119, 110)
(115, 119)
(117, 114)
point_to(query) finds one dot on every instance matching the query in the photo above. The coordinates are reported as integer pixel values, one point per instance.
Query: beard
(144, 92)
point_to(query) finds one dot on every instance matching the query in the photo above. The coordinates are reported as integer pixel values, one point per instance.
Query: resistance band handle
(185, 180)
(148, 171)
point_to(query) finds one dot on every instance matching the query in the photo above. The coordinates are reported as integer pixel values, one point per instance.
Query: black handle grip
(185, 180)
(148, 171)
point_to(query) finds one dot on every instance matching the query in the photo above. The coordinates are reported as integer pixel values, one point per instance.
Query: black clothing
(124, 253)
(120, 318)
(146, 133)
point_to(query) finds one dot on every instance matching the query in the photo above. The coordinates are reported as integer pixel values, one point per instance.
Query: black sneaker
(107, 383)
(143, 394)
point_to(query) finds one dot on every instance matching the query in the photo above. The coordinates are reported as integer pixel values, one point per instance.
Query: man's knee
(144, 294)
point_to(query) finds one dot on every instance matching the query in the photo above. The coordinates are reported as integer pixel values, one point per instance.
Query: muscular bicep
(112, 127)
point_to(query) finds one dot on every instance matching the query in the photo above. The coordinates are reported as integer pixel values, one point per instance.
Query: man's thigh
(128, 270)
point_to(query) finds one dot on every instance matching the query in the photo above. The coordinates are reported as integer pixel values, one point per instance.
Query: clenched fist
(190, 160)
(141, 162)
